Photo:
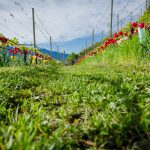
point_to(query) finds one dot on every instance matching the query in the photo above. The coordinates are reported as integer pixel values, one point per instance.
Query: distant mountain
(78, 44)
(55, 55)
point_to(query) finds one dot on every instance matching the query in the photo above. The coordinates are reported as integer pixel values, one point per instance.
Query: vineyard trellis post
(33, 18)
(102, 34)
(131, 16)
(111, 18)
(85, 48)
(51, 47)
(57, 51)
(124, 21)
(146, 4)
(34, 37)
(93, 34)
(63, 55)
(141, 12)
(117, 22)
(5, 53)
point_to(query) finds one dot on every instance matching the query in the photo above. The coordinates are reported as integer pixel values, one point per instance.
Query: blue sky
(69, 22)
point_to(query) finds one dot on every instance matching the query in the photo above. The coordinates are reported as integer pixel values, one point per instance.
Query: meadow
(80, 107)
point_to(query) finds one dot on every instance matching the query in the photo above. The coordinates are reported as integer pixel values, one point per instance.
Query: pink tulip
(141, 25)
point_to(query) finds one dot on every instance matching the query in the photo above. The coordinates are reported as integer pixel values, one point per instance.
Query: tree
(72, 58)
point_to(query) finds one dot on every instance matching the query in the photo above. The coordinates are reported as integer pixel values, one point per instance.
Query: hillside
(128, 52)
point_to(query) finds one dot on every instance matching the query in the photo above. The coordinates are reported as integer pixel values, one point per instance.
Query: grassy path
(75, 107)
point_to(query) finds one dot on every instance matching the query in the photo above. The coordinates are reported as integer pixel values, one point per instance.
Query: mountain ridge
(56, 55)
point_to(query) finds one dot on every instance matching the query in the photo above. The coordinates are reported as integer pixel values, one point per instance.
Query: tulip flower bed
(117, 40)
(75, 107)
(17, 54)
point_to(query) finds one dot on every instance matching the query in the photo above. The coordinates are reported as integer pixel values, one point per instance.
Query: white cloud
(64, 19)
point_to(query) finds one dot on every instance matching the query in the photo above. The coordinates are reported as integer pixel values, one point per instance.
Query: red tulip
(110, 39)
(102, 47)
(116, 35)
(120, 33)
(21, 52)
(114, 41)
(134, 24)
(17, 49)
(141, 25)
(11, 51)
(26, 51)
(106, 45)
(15, 52)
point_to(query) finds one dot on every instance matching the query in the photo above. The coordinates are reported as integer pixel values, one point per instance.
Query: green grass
(92, 107)
(129, 52)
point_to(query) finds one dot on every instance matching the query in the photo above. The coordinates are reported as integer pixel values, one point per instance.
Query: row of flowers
(121, 35)
(22, 50)
(117, 39)
(16, 51)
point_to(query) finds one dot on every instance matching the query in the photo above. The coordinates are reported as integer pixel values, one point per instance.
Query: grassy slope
(69, 108)
(130, 52)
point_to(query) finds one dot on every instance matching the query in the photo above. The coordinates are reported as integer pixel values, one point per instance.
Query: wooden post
(34, 37)
(93, 37)
(102, 34)
(118, 22)
(85, 47)
(131, 16)
(51, 48)
(57, 51)
(111, 18)
(121, 23)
